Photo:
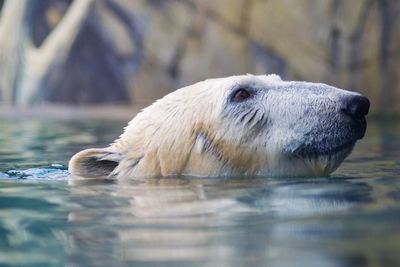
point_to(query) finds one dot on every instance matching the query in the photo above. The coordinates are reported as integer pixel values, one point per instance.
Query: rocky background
(133, 51)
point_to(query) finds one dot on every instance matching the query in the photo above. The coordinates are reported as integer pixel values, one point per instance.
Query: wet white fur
(188, 132)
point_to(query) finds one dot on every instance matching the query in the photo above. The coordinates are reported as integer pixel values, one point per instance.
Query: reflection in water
(350, 219)
(178, 220)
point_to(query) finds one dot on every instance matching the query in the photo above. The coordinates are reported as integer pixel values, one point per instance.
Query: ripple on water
(55, 172)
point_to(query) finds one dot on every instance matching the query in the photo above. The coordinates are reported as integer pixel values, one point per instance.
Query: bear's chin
(326, 162)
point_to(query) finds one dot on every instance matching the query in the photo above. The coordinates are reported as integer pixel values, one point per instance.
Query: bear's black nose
(356, 106)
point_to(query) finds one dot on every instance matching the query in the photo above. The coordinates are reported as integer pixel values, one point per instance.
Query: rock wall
(156, 46)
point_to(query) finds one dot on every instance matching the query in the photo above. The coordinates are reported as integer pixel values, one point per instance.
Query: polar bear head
(235, 126)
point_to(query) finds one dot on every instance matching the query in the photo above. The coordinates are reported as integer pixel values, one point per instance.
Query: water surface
(350, 219)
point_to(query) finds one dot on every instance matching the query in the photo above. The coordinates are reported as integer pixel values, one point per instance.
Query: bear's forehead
(259, 79)
(248, 79)
(269, 78)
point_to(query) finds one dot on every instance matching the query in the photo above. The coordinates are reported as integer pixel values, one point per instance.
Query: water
(350, 219)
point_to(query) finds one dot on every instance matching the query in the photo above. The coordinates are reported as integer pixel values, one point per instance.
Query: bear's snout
(356, 107)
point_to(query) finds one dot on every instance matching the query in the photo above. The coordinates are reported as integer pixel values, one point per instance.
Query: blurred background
(127, 53)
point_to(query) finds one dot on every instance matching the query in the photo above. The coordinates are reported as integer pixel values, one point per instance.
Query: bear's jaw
(323, 163)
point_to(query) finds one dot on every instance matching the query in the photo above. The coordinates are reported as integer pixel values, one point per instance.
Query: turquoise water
(350, 219)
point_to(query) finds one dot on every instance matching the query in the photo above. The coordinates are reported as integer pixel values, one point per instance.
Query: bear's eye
(240, 95)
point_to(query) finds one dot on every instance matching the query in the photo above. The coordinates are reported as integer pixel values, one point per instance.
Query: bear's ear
(94, 162)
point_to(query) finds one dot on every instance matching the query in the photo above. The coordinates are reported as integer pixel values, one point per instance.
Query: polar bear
(247, 125)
